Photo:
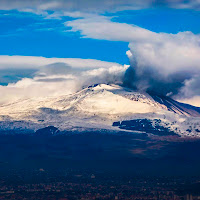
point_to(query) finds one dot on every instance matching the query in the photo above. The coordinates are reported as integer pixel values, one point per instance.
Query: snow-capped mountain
(101, 107)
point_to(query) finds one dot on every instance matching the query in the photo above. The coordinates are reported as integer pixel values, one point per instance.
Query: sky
(29, 34)
(67, 41)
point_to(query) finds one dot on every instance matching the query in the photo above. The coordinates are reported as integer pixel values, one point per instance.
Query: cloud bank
(94, 6)
(32, 62)
(56, 76)
(166, 64)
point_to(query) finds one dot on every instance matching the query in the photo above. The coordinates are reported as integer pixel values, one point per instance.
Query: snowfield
(97, 107)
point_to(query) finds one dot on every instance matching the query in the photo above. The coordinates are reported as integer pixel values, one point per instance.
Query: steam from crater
(167, 64)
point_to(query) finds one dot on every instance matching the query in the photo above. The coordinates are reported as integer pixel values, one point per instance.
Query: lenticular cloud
(59, 78)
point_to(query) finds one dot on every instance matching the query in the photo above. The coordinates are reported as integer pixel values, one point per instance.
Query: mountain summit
(100, 107)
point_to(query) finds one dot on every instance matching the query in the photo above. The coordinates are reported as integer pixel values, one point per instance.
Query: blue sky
(32, 35)
(29, 34)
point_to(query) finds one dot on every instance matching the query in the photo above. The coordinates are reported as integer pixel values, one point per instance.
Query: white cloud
(101, 27)
(168, 53)
(181, 4)
(166, 63)
(74, 5)
(14, 62)
(94, 6)
(55, 76)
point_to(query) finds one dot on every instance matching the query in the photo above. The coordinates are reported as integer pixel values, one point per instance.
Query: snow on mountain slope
(102, 99)
(98, 107)
(113, 100)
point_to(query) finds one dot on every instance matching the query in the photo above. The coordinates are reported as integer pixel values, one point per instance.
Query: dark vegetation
(145, 125)
(134, 153)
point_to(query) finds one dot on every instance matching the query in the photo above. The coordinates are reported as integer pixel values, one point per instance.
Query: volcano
(103, 107)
